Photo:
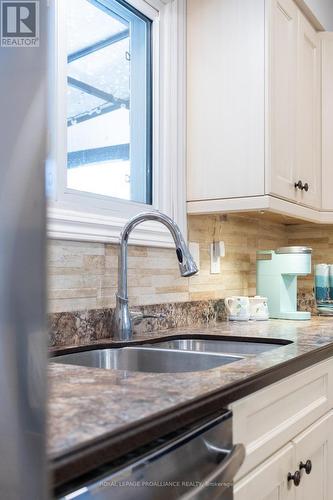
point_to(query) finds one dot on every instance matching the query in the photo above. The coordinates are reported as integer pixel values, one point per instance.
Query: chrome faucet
(122, 320)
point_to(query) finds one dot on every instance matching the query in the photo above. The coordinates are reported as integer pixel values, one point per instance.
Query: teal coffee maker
(277, 272)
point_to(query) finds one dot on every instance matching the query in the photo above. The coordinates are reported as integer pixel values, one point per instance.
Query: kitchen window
(109, 100)
(117, 121)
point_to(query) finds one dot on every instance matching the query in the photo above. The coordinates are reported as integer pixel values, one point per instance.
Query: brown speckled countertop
(94, 409)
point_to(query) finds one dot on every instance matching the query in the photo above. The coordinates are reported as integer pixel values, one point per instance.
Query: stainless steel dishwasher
(196, 463)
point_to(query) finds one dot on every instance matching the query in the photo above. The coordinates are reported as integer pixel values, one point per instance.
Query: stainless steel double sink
(170, 356)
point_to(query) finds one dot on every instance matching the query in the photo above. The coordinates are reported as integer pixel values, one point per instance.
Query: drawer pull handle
(307, 466)
(306, 187)
(296, 477)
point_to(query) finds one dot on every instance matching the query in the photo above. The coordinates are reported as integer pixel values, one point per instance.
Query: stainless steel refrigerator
(23, 333)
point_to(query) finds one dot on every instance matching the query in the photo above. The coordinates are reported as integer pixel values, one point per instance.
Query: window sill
(66, 224)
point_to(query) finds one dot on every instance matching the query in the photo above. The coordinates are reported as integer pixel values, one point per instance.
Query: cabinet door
(327, 117)
(225, 98)
(268, 481)
(281, 164)
(308, 115)
(316, 444)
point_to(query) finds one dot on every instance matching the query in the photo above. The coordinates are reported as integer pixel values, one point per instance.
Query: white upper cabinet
(281, 116)
(226, 108)
(253, 104)
(308, 114)
(327, 115)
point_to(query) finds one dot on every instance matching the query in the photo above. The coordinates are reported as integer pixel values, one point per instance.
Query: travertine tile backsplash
(320, 238)
(242, 236)
(84, 275)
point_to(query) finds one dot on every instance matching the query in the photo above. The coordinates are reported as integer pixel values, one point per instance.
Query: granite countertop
(90, 406)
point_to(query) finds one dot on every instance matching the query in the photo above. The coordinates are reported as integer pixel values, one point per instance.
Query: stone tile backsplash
(83, 275)
(320, 238)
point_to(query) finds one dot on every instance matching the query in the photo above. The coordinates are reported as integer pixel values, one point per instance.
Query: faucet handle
(138, 316)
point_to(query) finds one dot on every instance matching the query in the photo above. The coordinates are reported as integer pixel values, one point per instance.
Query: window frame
(86, 216)
(138, 149)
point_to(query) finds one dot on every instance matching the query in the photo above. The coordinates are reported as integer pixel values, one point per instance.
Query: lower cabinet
(301, 470)
(269, 480)
(314, 456)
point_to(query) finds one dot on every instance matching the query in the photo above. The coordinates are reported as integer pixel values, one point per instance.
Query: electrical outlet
(217, 250)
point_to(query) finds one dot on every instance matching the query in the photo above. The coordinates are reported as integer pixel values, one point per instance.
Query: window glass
(108, 100)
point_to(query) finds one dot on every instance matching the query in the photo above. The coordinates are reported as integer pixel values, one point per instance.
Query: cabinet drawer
(266, 420)
(269, 480)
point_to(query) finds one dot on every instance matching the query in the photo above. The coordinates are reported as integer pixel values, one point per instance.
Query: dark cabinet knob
(307, 466)
(296, 477)
(302, 187)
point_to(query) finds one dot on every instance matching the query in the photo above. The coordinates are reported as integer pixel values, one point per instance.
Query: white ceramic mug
(238, 308)
(259, 308)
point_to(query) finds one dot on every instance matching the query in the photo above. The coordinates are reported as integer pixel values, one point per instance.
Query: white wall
(323, 10)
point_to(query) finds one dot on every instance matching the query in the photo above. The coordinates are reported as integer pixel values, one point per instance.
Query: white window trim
(67, 220)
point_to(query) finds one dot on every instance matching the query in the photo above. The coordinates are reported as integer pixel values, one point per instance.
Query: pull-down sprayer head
(122, 324)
